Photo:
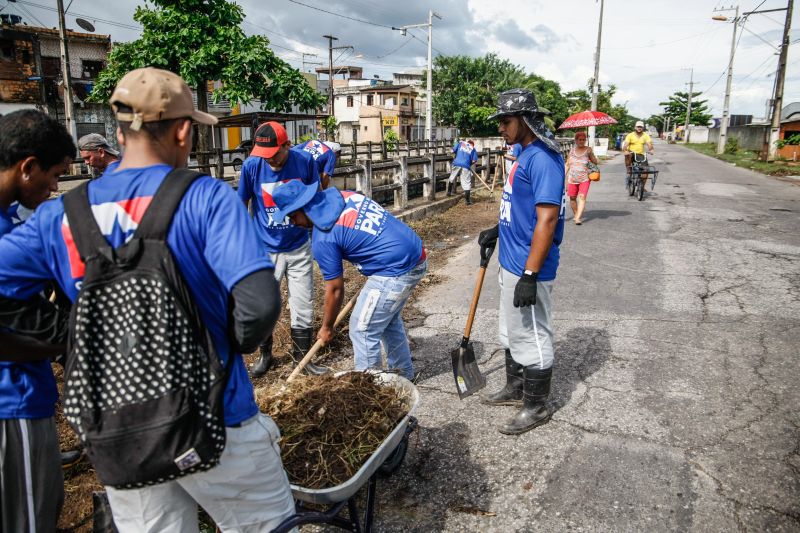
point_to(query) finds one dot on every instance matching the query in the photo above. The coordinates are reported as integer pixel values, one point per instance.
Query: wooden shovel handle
(319, 344)
(476, 294)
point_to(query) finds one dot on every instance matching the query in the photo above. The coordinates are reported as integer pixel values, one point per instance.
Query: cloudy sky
(650, 49)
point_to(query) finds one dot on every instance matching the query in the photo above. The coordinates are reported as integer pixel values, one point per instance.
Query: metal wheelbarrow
(382, 463)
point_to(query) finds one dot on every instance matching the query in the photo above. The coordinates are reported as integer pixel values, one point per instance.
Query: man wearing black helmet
(530, 230)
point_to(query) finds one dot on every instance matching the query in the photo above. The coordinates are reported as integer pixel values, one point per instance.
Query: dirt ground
(439, 233)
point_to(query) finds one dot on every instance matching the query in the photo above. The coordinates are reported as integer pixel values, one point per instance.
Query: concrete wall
(698, 134)
(749, 137)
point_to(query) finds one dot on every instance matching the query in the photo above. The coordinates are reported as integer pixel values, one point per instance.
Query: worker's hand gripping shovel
(466, 372)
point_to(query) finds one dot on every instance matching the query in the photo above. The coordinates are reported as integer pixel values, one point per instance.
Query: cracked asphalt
(675, 392)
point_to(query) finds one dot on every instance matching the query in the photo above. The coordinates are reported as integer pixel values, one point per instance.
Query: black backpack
(144, 383)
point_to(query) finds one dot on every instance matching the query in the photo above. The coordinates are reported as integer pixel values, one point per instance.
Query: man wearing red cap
(270, 165)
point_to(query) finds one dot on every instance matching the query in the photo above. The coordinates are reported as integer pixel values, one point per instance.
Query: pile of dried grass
(331, 425)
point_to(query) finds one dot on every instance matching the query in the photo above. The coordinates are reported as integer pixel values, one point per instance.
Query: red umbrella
(586, 118)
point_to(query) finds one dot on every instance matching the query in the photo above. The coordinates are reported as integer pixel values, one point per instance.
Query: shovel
(319, 344)
(469, 379)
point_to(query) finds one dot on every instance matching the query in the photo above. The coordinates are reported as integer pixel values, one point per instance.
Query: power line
(90, 17)
(344, 16)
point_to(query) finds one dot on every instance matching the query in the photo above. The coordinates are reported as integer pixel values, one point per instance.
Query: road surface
(675, 388)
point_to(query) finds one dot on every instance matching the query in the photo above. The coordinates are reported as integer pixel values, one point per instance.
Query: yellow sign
(390, 121)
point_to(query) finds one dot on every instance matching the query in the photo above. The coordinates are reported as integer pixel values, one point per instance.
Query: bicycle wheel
(632, 184)
(642, 184)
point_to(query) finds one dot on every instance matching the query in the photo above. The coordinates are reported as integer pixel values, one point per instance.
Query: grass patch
(749, 159)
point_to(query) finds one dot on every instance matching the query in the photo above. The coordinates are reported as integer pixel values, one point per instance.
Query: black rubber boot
(511, 394)
(71, 457)
(301, 344)
(534, 412)
(264, 362)
(449, 189)
(467, 197)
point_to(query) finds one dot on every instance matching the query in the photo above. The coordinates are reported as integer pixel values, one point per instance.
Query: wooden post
(408, 148)
(369, 150)
(485, 158)
(401, 194)
(429, 170)
(364, 180)
(383, 150)
(354, 153)
(220, 164)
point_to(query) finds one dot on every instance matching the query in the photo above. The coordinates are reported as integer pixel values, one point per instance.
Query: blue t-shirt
(465, 154)
(27, 390)
(257, 181)
(211, 238)
(369, 237)
(322, 154)
(537, 177)
(515, 150)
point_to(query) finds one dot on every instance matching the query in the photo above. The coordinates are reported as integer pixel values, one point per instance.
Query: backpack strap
(85, 232)
(157, 219)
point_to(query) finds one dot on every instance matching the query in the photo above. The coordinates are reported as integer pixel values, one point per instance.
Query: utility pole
(66, 77)
(303, 60)
(723, 128)
(429, 99)
(330, 38)
(774, 131)
(595, 84)
(688, 106)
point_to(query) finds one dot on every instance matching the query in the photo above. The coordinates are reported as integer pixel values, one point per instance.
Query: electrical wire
(343, 16)
(90, 17)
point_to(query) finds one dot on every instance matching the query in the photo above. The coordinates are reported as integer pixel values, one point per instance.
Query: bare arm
(334, 294)
(592, 157)
(546, 220)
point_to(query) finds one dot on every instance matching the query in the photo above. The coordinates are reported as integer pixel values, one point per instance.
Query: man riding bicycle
(635, 143)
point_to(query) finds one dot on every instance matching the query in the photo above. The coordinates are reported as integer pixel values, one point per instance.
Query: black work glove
(488, 237)
(525, 291)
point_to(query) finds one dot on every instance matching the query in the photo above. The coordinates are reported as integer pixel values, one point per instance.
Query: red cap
(270, 136)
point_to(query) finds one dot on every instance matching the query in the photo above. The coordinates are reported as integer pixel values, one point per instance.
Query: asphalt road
(675, 389)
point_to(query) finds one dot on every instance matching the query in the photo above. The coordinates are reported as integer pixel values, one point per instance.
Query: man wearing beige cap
(97, 153)
(235, 303)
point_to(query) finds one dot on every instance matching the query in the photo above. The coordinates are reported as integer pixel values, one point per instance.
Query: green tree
(466, 88)
(675, 108)
(581, 100)
(202, 41)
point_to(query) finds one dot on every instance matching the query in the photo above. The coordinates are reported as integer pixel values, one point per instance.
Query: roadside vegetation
(749, 159)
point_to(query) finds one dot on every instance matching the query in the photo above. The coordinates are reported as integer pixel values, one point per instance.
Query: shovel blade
(466, 372)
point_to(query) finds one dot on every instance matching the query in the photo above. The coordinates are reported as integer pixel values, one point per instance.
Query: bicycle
(638, 174)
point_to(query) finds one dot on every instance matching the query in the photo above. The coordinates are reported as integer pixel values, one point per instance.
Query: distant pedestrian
(349, 226)
(464, 159)
(577, 170)
(271, 164)
(97, 153)
(34, 151)
(229, 282)
(530, 231)
(324, 154)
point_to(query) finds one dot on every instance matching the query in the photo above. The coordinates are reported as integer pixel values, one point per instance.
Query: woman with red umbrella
(578, 175)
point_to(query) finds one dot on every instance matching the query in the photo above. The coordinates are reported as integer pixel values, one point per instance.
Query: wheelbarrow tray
(344, 491)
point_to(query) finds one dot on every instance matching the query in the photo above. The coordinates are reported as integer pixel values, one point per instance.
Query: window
(51, 67)
(369, 102)
(349, 101)
(7, 52)
(405, 101)
(91, 69)
(365, 128)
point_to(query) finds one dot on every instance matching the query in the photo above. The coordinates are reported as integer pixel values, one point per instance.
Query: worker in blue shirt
(229, 278)
(324, 154)
(349, 226)
(270, 166)
(465, 156)
(34, 151)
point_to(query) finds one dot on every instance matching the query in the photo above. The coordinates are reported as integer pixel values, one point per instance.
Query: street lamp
(723, 128)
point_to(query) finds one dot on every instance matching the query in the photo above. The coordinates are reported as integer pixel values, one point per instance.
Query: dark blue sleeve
(231, 246)
(547, 179)
(328, 255)
(474, 156)
(330, 163)
(245, 190)
(25, 262)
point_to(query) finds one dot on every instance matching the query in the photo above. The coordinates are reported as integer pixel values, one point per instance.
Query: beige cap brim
(204, 118)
